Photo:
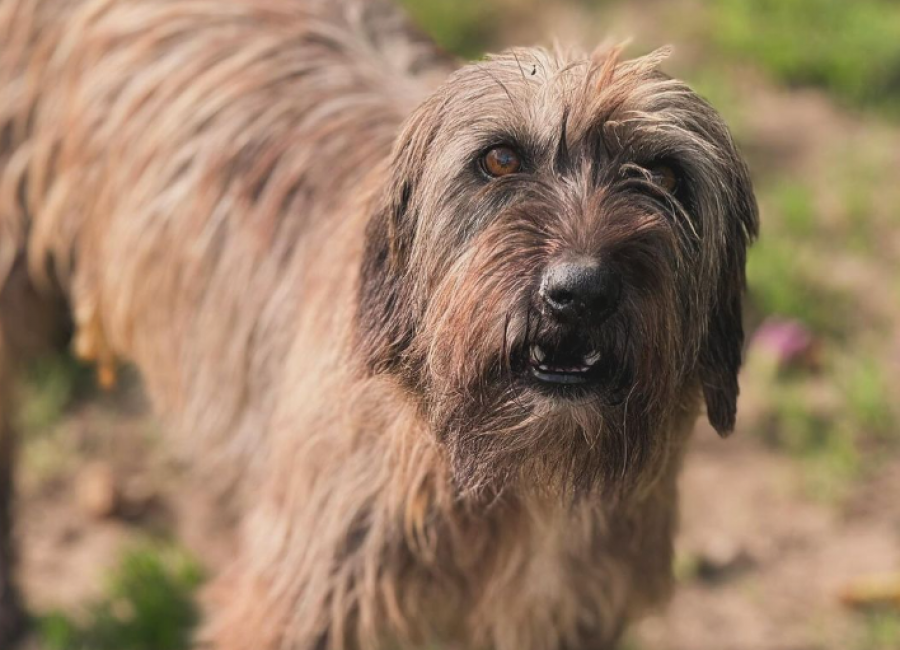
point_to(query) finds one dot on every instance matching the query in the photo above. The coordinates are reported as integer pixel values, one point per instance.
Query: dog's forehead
(533, 92)
(519, 87)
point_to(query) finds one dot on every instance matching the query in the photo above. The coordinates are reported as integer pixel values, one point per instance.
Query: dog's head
(558, 263)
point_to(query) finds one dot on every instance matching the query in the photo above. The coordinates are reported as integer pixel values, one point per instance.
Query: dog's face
(558, 264)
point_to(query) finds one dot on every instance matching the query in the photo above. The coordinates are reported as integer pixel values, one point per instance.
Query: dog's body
(269, 209)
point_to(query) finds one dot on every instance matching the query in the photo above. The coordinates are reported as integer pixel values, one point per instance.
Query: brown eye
(665, 177)
(501, 161)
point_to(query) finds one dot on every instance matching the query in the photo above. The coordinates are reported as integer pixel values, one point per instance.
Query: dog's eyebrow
(562, 147)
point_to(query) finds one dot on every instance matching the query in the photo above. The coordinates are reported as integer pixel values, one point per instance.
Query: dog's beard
(500, 422)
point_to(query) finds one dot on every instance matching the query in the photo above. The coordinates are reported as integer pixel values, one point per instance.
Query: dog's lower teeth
(539, 362)
(562, 371)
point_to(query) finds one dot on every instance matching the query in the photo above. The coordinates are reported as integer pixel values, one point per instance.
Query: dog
(442, 331)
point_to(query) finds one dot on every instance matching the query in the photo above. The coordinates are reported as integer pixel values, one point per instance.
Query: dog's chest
(545, 567)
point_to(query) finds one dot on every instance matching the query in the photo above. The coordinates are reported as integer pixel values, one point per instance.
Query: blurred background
(791, 529)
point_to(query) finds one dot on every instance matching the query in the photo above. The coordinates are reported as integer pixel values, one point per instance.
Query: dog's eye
(664, 176)
(501, 161)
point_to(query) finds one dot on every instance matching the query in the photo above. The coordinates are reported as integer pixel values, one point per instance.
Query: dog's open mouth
(571, 363)
(563, 366)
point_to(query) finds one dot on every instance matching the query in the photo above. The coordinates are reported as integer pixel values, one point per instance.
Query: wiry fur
(267, 208)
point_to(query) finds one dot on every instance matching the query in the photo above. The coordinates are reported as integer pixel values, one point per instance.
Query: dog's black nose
(580, 288)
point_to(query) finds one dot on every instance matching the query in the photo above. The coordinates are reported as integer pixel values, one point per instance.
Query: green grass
(781, 270)
(464, 27)
(849, 49)
(823, 442)
(881, 631)
(864, 178)
(630, 643)
(788, 269)
(148, 605)
(869, 398)
(50, 386)
(796, 209)
(784, 279)
(838, 422)
(714, 84)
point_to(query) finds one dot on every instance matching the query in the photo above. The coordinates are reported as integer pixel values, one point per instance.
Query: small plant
(794, 203)
(868, 398)
(820, 439)
(631, 643)
(50, 385)
(881, 631)
(148, 605)
(782, 281)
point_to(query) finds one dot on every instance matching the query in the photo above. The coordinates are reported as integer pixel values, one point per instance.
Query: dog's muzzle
(576, 296)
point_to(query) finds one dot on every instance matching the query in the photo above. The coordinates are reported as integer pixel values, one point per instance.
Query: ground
(790, 534)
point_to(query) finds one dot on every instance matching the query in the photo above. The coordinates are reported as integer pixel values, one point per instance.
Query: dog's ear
(386, 319)
(721, 354)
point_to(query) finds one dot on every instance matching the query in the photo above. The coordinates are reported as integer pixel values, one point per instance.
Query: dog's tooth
(592, 358)
(537, 353)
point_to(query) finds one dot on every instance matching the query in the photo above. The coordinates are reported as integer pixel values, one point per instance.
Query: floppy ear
(720, 356)
(385, 323)
(386, 317)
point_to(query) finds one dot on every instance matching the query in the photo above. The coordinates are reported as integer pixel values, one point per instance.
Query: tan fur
(263, 205)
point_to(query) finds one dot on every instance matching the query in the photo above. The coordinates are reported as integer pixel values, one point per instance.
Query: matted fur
(271, 209)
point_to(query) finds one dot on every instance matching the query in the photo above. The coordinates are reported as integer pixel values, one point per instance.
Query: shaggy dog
(444, 333)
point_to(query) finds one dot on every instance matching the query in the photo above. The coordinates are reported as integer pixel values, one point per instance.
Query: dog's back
(175, 166)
